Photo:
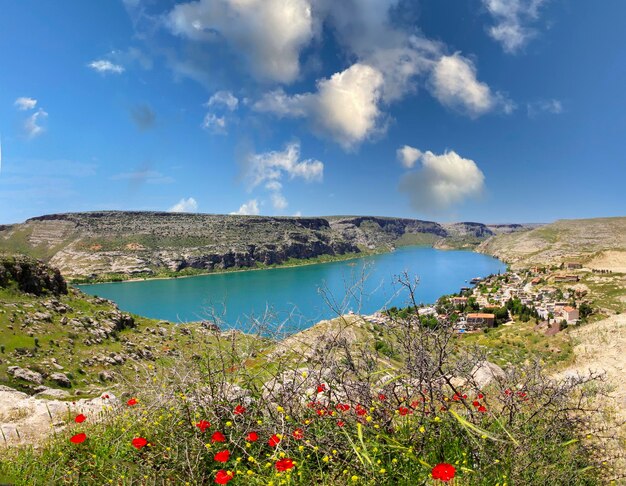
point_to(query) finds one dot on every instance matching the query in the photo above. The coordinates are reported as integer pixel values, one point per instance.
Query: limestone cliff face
(142, 243)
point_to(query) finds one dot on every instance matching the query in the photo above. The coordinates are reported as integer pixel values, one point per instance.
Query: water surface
(298, 296)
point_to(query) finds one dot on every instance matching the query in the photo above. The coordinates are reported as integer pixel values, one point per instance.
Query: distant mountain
(596, 243)
(106, 243)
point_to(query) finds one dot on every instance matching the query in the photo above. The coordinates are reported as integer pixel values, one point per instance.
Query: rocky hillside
(145, 243)
(597, 243)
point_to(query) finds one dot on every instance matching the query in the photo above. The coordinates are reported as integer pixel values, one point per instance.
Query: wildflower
(443, 471)
(360, 411)
(298, 434)
(280, 409)
(80, 419)
(340, 423)
(274, 441)
(404, 411)
(218, 437)
(284, 464)
(382, 397)
(252, 437)
(481, 396)
(105, 396)
(139, 442)
(482, 409)
(476, 403)
(203, 425)
(131, 402)
(354, 479)
(321, 388)
(343, 407)
(223, 477)
(455, 397)
(222, 456)
(321, 412)
(239, 410)
(78, 438)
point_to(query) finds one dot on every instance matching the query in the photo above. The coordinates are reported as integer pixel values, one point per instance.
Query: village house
(570, 314)
(573, 265)
(566, 278)
(477, 320)
(459, 300)
(535, 281)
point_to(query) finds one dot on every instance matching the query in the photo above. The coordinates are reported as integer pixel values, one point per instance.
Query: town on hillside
(551, 296)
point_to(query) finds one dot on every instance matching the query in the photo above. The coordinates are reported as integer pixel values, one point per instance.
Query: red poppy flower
(203, 425)
(222, 456)
(444, 472)
(78, 438)
(105, 397)
(284, 464)
(139, 442)
(218, 437)
(274, 441)
(80, 419)
(344, 407)
(507, 392)
(252, 437)
(360, 410)
(482, 409)
(223, 477)
(131, 402)
(476, 403)
(521, 394)
(481, 396)
(465, 396)
(340, 423)
(321, 412)
(455, 397)
(239, 410)
(404, 411)
(298, 434)
(382, 397)
(321, 388)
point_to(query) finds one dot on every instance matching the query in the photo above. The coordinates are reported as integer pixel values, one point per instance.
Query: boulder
(61, 379)
(25, 374)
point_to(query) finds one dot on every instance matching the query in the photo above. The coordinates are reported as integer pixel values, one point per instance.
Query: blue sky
(475, 110)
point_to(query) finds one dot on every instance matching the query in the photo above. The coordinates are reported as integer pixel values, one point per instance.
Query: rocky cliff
(147, 243)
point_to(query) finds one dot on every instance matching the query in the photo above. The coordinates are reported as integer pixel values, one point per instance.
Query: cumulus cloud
(513, 20)
(249, 208)
(269, 34)
(270, 167)
(188, 205)
(223, 99)
(551, 107)
(408, 155)
(25, 103)
(214, 124)
(279, 201)
(455, 85)
(345, 106)
(104, 66)
(442, 181)
(33, 126)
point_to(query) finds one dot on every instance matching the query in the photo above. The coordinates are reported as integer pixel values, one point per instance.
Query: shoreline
(238, 270)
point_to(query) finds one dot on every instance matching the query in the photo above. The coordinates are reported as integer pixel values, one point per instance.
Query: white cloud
(249, 208)
(408, 155)
(273, 186)
(33, 124)
(442, 181)
(270, 167)
(279, 201)
(552, 107)
(512, 19)
(224, 99)
(454, 84)
(188, 205)
(24, 103)
(345, 106)
(214, 123)
(268, 33)
(103, 66)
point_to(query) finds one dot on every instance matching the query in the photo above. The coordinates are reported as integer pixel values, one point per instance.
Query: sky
(498, 111)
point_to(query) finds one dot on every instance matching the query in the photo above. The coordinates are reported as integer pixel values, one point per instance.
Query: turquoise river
(297, 297)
